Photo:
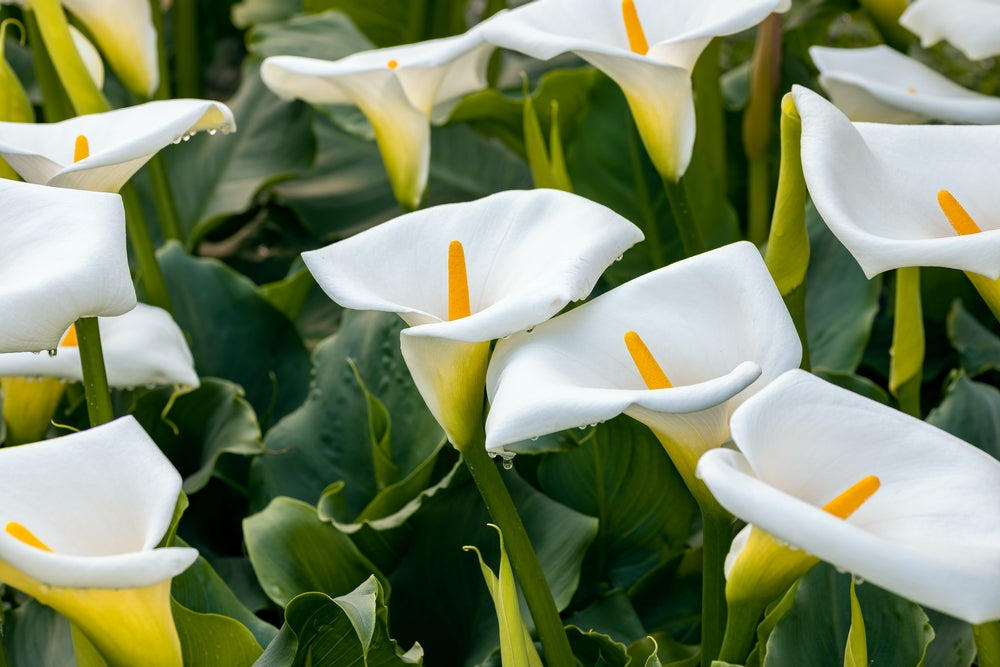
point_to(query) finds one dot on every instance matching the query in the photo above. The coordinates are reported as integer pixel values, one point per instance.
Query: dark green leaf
(251, 12)
(978, 347)
(327, 36)
(209, 640)
(971, 411)
(594, 648)
(35, 635)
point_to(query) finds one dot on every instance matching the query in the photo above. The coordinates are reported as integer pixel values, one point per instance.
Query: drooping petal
(876, 187)
(63, 258)
(880, 84)
(931, 532)
(120, 141)
(529, 253)
(970, 25)
(715, 323)
(143, 347)
(124, 31)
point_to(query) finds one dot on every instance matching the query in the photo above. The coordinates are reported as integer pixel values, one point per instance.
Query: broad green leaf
(236, 334)
(328, 439)
(856, 650)
(251, 12)
(438, 595)
(978, 347)
(215, 177)
(327, 36)
(466, 166)
(774, 613)
(841, 303)
(293, 552)
(290, 294)
(621, 475)
(596, 649)
(399, 22)
(35, 635)
(856, 383)
(971, 411)
(814, 630)
(196, 428)
(669, 651)
(324, 631)
(200, 589)
(209, 640)
(953, 644)
(611, 614)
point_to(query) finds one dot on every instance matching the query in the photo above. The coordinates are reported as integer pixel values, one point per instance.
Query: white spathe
(876, 187)
(528, 254)
(972, 26)
(63, 258)
(120, 141)
(715, 323)
(143, 347)
(880, 84)
(931, 532)
(400, 90)
(657, 84)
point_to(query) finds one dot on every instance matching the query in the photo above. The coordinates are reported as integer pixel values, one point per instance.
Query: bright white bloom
(927, 527)
(142, 347)
(400, 90)
(62, 258)
(120, 142)
(654, 73)
(526, 255)
(973, 26)
(878, 188)
(880, 84)
(714, 323)
(80, 520)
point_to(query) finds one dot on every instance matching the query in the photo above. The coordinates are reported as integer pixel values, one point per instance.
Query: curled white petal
(876, 188)
(970, 25)
(91, 58)
(931, 532)
(101, 499)
(63, 258)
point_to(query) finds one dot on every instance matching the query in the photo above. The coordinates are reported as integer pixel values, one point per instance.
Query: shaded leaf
(978, 347)
(208, 640)
(971, 411)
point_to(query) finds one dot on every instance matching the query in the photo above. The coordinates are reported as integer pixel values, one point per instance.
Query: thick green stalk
(710, 116)
(758, 199)
(757, 119)
(76, 81)
(906, 356)
(687, 225)
(145, 253)
(187, 71)
(163, 196)
(717, 531)
(526, 566)
(741, 631)
(95, 377)
(987, 636)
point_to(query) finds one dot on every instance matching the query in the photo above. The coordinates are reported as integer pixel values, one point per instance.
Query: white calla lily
(926, 526)
(973, 26)
(880, 84)
(63, 258)
(400, 90)
(654, 72)
(120, 142)
(91, 58)
(715, 324)
(879, 189)
(81, 517)
(526, 255)
(142, 347)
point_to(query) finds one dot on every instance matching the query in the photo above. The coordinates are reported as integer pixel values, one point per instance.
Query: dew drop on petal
(619, 258)
(53, 353)
(212, 132)
(529, 330)
(176, 141)
(858, 580)
(534, 438)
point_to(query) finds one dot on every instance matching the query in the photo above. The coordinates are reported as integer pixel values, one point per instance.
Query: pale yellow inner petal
(16, 530)
(458, 283)
(956, 214)
(636, 37)
(651, 373)
(848, 502)
(81, 149)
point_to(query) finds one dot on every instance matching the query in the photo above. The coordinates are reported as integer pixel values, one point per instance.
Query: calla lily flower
(142, 347)
(649, 48)
(880, 84)
(91, 58)
(400, 90)
(63, 258)
(903, 195)
(716, 329)
(82, 516)
(867, 488)
(973, 26)
(464, 274)
(118, 142)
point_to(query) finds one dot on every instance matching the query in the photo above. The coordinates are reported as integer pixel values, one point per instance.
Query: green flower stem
(526, 566)
(145, 254)
(710, 116)
(95, 377)
(648, 223)
(687, 225)
(741, 631)
(906, 356)
(787, 253)
(757, 119)
(758, 199)
(55, 105)
(187, 72)
(76, 81)
(717, 531)
(987, 636)
(163, 195)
